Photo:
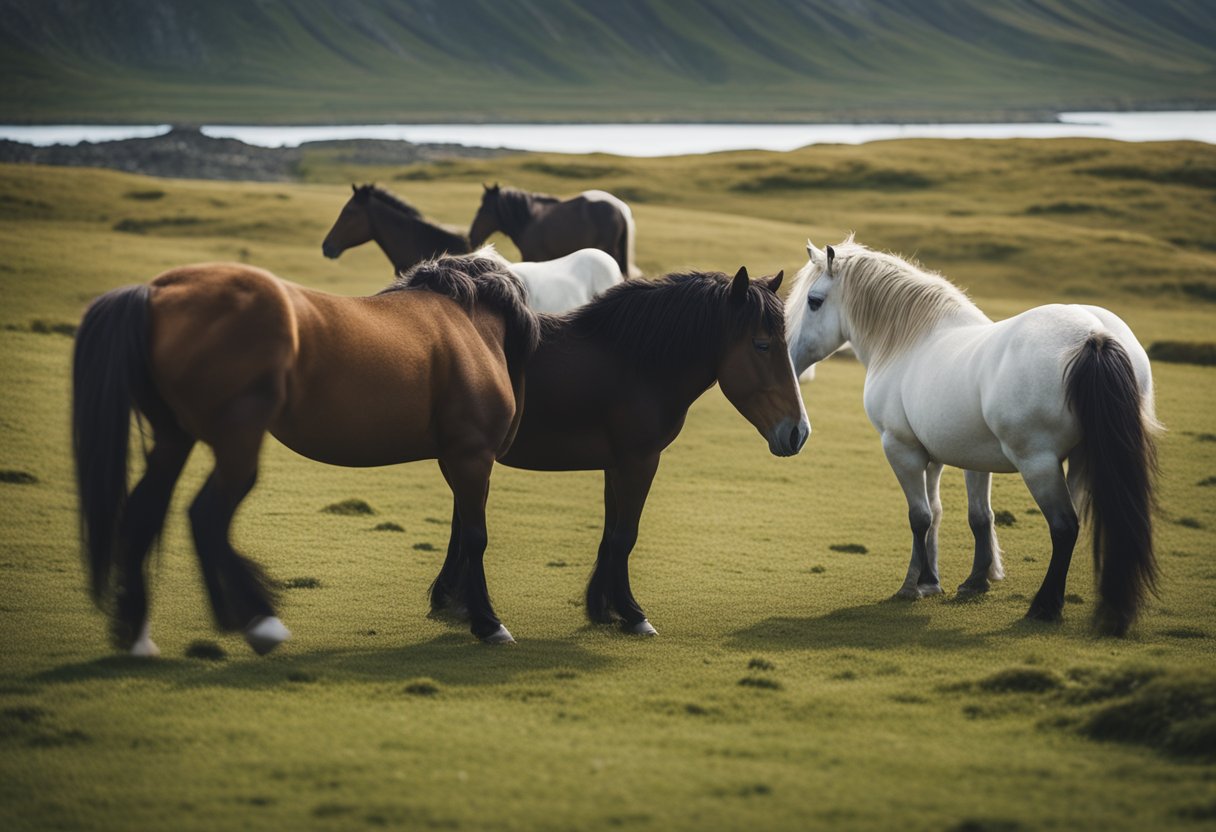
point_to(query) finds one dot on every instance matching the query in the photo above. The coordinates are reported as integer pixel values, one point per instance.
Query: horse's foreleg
(469, 479)
(911, 466)
(1044, 476)
(141, 522)
(986, 565)
(599, 605)
(630, 485)
(933, 490)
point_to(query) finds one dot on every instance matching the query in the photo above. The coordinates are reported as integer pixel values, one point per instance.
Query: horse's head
(813, 316)
(353, 226)
(755, 371)
(485, 222)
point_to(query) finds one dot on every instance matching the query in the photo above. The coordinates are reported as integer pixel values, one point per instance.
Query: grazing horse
(544, 227)
(947, 386)
(609, 388)
(430, 368)
(398, 228)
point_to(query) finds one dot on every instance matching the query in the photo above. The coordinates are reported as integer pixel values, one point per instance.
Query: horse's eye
(761, 346)
(814, 303)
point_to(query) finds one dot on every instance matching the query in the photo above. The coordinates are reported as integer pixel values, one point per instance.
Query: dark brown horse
(544, 227)
(430, 368)
(609, 387)
(402, 233)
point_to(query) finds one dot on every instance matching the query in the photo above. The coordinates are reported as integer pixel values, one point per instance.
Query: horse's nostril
(798, 438)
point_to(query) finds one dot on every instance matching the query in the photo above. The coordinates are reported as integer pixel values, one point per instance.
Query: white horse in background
(558, 286)
(947, 386)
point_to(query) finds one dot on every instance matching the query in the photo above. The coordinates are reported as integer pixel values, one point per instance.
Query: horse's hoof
(1046, 614)
(973, 587)
(265, 633)
(907, 593)
(925, 590)
(500, 636)
(450, 614)
(144, 647)
(642, 628)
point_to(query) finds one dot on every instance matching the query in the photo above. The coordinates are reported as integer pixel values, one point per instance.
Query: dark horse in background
(609, 388)
(402, 233)
(544, 227)
(430, 368)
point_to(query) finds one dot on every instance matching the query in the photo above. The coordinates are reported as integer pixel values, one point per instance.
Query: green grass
(318, 61)
(784, 691)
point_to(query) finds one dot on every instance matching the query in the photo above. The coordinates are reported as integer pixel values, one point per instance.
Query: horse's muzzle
(788, 437)
(331, 252)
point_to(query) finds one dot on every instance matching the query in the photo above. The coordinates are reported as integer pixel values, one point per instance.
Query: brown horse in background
(402, 233)
(544, 227)
(609, 387)
(430, 368)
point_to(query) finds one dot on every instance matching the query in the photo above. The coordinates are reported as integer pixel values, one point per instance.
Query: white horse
(947, 386)
(557, 286)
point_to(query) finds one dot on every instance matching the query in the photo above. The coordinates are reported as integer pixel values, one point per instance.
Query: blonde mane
(889, 303)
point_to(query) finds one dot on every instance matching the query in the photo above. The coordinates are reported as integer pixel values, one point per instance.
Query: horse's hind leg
(910, 464)
(469, 479)
(447, 589)
(240, 592)
(987, 563)
(140, 525)
(1044, 477)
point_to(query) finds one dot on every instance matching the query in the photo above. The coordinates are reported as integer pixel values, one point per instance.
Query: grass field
(784, 691)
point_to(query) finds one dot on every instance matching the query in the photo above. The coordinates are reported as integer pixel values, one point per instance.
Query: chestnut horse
(544, 227)
(399, 229)
(429, 368)
(609, 387)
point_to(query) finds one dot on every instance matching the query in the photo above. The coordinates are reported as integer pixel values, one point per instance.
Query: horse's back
(973, 393)
(565, 283)
(615, 201)
(378, 378)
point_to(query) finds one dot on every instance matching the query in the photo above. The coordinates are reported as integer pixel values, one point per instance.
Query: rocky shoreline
(185, 153)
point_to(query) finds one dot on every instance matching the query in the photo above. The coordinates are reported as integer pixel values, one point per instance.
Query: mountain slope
(388, 60)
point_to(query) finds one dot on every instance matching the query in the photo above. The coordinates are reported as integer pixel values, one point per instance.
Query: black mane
(363, 192)
(667, 323)
(515, 208)
(471, 279)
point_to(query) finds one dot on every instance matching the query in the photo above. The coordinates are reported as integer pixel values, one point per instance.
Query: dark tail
(1118, 459)
(109, 368)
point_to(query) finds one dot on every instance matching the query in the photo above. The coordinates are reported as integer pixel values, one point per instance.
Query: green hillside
(480, 60)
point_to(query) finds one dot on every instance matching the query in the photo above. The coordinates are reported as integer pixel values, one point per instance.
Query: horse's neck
(394, 233)
(869, 348)
(516, 219)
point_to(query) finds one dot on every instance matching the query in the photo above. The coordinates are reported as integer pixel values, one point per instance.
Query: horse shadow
(448, 659)
(882, 625)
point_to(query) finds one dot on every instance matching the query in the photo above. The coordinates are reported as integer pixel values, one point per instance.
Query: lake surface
(663, 139)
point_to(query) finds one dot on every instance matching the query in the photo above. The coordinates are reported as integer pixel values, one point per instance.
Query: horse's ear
(774, 282)
(354, 189)
(738, 286)
(831, 257)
